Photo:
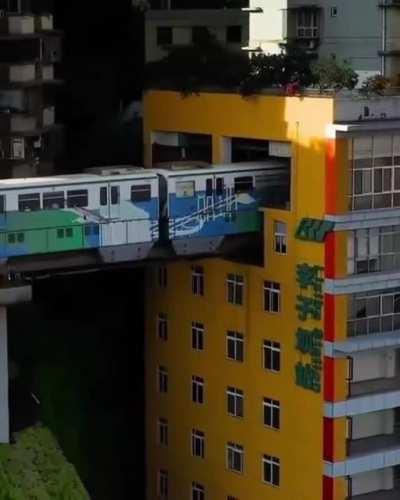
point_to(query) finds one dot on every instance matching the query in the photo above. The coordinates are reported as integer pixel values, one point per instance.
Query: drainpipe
(384, 36)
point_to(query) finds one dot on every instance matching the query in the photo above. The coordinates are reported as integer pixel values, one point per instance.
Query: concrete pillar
(4, 411)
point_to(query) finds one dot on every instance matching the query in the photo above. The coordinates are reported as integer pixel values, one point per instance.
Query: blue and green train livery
(127, 207)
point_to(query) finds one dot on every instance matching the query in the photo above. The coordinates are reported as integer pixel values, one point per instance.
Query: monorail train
(124, 212)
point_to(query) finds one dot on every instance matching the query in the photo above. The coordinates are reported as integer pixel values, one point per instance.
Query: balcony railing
(393, 494)
(373, 444)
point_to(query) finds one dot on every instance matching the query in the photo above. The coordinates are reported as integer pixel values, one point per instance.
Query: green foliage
(330, 74)
(207, 63)
(34, 468)
(375, 85)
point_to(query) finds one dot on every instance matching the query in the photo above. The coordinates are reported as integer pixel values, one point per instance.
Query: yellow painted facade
(299, 442)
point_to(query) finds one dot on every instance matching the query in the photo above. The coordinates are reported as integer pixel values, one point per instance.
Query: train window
(103, 196)
(60, 233)
(141, 192)
(2, 203)
(11, 238)
(185, 189)
(220, 186)
(53, 200)
(69, 232)
(88, 230)
(20, 237)
(28, 202)
(77, 198)
(209, 187)
(243, 184)
(114, 195)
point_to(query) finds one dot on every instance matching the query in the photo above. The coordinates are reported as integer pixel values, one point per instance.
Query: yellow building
(271, 381)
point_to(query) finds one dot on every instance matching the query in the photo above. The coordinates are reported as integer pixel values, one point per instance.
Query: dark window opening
(220, 186)
(103, 196)
(28, 202)
(209, 187)
(249, 149)
(77, 198)
(141, 192)
(200, 34)
(69, 232)
(164, 35)
(2, 203)
(53, 200)
(114, 195)
(243, 184)
(60, 233)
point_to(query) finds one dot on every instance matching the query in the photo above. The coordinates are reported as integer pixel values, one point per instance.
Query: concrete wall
(367, 482)
(182, 22)
(373, 424)
(373, 365)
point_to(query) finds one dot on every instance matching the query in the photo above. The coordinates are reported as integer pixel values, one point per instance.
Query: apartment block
(30, 48)
(281, 380)
(331, 29)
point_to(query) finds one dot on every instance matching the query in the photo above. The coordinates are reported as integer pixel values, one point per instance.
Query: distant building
(29, 49)
(168, 26)
(332, 29)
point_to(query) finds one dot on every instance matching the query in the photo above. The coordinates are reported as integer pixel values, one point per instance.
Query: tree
(332, 74)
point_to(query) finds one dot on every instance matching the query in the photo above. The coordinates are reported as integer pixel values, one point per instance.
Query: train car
(206, 204)
(113, 213)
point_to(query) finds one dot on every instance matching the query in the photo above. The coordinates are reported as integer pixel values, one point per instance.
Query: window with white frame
(234, 346)
(198, 491)
(197, 280)
(162, 327)
(272, 296)
(271, 470)
(235, 457)
(375, 171)
(272, 355)
(163, 484)
(197, 389)
(162, 276)
(198, 443)
(162, 379)
(307, 23)
(376, 249)
(235, 287)
(197, 336)
(374, 312)
(163, 431)
(235, 401)
(280, 237)
(272, 413)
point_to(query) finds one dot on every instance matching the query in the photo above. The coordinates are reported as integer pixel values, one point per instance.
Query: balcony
(373, 444)
(17, 123)
(374, 386)
(17, 73)
(378, 495)
(17, 25)
(44, 22)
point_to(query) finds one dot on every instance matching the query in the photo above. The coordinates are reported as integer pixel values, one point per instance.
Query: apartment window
(200, 33)
(28, 202)
(271, 470)
(230, 497)
(307, 23)
(280, 237)
(198, 491)
(197, 336)
(334, 11)
(272, 410)
(235, 402)
(163, 484)
(243, 184)
(162, 327)
(164, 35)
(374, 250)
(162, 379)
(272, 296)
(234, 346)
(374, 312)
(198, 443)
(234, 34)
(163, 431)
(375, 171)
(197, 389)
(272, 355)
(235, 457)
(162, 276)
(198, 280)
(235, 286)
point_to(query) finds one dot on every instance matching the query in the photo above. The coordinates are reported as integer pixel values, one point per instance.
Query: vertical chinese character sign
(309, 340)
